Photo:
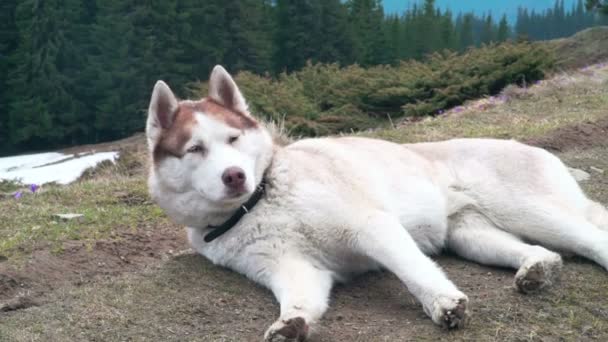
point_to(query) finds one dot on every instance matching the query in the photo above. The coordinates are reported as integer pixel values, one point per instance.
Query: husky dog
(298, 218)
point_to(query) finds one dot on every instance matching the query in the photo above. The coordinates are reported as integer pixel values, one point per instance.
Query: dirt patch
(189, 299)
(118, 288)
(81, 262)
(17, 303)
(575, 137)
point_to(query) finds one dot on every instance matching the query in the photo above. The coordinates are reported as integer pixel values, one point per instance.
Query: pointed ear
(223, 90)
(161, 113)
(163, 105)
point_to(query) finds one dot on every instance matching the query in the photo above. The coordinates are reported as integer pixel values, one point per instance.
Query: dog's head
(207, 155)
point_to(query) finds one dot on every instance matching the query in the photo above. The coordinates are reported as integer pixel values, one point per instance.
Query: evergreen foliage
(327, 99)
(81, 71)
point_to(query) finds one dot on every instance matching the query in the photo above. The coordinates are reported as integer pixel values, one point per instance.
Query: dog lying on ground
(299, 218)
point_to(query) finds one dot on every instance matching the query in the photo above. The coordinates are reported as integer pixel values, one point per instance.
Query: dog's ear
(162, 110)
(223, 90)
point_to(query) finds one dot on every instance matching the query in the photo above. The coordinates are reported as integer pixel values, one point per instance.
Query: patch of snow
(50, 167)
(30, 160)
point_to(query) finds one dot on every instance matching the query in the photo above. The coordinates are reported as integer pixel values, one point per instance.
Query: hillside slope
(126, 273)
(583, 49)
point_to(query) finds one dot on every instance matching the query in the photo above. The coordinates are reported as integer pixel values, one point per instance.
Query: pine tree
(42, 107)
(466, 32)
(336, 39)
(408, 33)
(503, 30)
(203, 35)
(366, 22)
(248, 36)
(394, 33)
(447, 32)
(522, 25)
(416, 39)
(487, 34)
(430, 34)
(298, 26)
(118, 82)
(8, 44)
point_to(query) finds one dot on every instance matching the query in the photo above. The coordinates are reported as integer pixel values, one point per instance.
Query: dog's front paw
(450, 312)
(291, 330)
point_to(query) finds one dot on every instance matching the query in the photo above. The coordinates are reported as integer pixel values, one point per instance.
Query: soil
(580, 136)
(374, 307)
(79, 263)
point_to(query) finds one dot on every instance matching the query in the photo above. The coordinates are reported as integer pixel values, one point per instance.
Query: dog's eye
(233, 139)
(196, 149)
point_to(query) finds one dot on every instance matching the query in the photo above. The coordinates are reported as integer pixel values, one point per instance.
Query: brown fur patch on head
(214, 109)
(173, 139)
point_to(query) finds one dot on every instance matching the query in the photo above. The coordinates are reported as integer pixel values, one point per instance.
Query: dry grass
(518, 113)
(584, 48)
(188, 299)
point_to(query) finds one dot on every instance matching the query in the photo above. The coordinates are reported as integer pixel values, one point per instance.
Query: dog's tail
(598, 215)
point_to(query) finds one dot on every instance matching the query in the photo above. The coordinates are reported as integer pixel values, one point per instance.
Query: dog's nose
(234, 177)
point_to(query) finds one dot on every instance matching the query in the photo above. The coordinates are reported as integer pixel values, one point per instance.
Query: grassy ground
(584, 48)
(108, 205)
(128, 275)
(519, 113)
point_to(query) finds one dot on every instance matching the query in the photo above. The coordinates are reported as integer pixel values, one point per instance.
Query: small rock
(597, 169)
(69, 217)
(579, 174)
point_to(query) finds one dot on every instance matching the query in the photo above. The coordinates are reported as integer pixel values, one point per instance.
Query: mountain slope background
(125, 272)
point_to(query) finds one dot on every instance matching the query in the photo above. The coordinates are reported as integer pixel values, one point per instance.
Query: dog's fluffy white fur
(335, 207)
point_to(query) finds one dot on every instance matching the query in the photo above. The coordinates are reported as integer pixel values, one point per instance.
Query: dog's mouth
(230, 198)
(235, 196)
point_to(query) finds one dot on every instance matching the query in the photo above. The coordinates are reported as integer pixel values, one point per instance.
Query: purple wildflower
(458, 109)
(440, 112)
(34, 187)
(18, 194)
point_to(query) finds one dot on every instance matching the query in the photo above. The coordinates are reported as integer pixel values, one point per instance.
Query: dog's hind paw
(535, 276)
(451, 313)
(291, 330)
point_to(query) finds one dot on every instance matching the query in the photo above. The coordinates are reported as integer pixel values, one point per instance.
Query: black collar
(236, 217)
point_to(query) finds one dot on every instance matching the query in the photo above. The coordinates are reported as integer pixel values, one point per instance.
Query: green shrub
(326, 99)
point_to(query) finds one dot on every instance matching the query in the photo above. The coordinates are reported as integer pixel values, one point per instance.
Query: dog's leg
(473, 237)
(559, 228)
(303, 292)
(382, 237)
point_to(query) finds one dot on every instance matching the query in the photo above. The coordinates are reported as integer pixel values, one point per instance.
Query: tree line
(558, 21)
(81, 71)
